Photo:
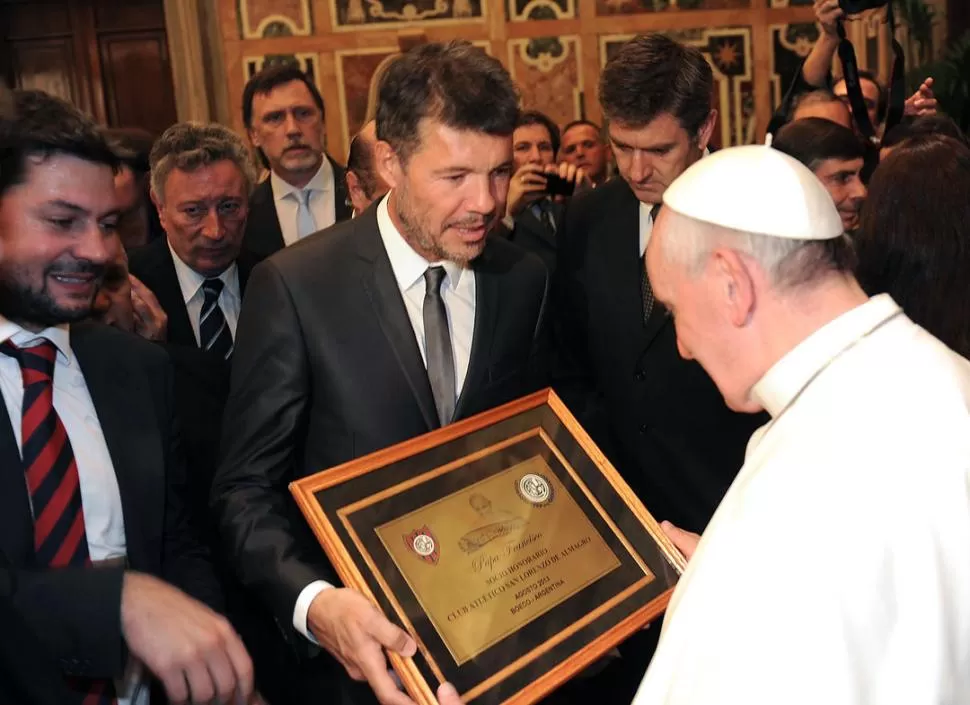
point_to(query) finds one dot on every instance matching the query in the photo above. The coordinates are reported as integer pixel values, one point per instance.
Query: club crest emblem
(422, 543)
(535, 489)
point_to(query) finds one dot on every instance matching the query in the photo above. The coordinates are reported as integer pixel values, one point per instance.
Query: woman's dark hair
(914, 239)
(456, 83)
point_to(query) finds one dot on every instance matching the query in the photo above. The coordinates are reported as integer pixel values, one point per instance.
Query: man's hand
(192, 650)
(151, 321)
(447, 695)
(923, 101)
(828, 13)
(526, 186)
(356, 633)
(685, 541)
(569, 172)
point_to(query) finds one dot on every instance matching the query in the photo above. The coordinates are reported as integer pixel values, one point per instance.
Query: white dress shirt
(646, 226)
(104, 522)
(190, 282)
(458, 294)
(835, 569)
(323, 201)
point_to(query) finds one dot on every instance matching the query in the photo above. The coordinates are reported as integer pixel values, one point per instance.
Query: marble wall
(554, 49)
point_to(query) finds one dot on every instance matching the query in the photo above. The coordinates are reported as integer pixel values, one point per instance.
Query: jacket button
(644, 428)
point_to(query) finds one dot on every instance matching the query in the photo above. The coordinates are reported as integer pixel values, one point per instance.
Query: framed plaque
(505, 544)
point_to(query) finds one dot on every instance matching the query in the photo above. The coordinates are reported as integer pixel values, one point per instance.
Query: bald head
(364, 184)
(822, 104)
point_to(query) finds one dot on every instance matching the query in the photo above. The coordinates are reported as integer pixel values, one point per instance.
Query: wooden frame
(601, 566)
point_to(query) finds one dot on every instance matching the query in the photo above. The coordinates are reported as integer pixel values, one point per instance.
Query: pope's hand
(447, 695)
(685, 541)
(355, 632)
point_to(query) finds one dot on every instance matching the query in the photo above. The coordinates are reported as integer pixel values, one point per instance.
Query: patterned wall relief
(525, 10)
(728, 51)
(790, 44)
(307, 62)
(637, 7)
(260, 19)
(355, 15)
(549, 73)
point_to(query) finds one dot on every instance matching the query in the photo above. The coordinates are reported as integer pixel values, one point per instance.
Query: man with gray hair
(201, 178)
(835, 568)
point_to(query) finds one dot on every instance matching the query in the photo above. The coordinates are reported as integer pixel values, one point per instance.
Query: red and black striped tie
(60, 540)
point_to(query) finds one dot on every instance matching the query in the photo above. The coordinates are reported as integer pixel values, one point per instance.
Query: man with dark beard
(370, 333)
(91, 505)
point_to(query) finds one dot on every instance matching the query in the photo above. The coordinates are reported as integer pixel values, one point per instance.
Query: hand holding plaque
(506, 545)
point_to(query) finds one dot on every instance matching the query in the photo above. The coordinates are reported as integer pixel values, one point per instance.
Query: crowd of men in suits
(160, 398)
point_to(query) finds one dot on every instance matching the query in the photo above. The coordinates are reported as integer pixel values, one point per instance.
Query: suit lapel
(16, 522)
(165, 285)
(131, 434)
(382, 290)
(263, 227)
(528, 220)
(486, 308)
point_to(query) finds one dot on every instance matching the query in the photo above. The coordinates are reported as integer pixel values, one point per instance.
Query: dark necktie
(214, 333)
(646, 291)
(544, 214)
(50, 470)
(437, 342)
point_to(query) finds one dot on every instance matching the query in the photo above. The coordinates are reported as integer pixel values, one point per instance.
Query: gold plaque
(505, 544)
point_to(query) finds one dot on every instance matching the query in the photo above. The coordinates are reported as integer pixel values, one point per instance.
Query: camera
(558, 186)
(854, 7)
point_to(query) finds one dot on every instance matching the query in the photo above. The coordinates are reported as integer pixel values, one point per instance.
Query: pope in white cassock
(837, 567)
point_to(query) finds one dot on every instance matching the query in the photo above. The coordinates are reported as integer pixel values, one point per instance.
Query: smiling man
(283, 113)
(373, 332)
(835, 155)
(659, 418)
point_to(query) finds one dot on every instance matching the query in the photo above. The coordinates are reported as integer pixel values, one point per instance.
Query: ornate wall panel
(554, 49)
(548, 71)
(728, 51)
(260, 19)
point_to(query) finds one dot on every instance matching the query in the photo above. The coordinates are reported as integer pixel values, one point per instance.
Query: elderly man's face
(706, 306)
(203, 213)
(870, 96)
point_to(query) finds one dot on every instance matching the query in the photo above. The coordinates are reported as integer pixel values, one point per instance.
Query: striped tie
(214, 333)
(60, 540)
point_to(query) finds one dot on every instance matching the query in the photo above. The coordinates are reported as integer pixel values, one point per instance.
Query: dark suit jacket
(28, 672)
(327, 368)
(533, 235)
(263, 234)
(659, 418)
(201, 378)
(77, 613)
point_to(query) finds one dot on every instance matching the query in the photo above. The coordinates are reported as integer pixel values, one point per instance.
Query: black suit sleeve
(185, 560)
(76, 614)
(268, 542)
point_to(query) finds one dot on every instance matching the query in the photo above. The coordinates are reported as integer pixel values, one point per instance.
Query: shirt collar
(791, 373)
(22, 338)
(408, 265)
(190, 281)
(321, 181)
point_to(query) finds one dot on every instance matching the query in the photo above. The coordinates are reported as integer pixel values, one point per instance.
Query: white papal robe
(837, 568)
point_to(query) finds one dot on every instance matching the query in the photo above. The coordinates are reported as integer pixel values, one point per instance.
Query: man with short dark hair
(657, 417)
(364, 184)
(362, 336)
(92, 503)
(836, 155)
(533, 214)
(283, 114)
(582, 145)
